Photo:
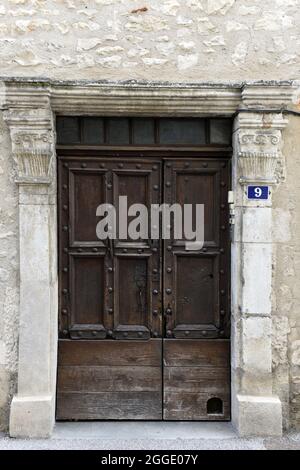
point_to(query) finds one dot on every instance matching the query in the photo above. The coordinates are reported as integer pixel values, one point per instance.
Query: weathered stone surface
(9, 279)
(240, 54)
(245, 40)
(258, 416)
(286, 300)
(107, 50)
(86, 44)
(219, 6)
(187, 61)
(295, 353)
(246, 10)
(154, 61)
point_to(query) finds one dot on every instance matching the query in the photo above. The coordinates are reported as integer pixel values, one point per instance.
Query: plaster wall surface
(147, 39)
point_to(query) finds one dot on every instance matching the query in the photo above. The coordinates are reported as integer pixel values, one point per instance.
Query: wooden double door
(143, 324)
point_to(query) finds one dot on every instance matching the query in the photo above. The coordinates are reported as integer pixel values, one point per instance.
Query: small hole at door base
(214, 406)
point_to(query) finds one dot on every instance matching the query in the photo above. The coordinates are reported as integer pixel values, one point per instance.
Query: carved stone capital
(32, 152)
(32, 137)
(259, 144)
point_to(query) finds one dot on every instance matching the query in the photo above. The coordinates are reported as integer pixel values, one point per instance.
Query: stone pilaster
(258, 160)
(32, 138)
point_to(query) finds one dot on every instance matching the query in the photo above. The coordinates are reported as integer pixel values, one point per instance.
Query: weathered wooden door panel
(196, 297)
(110, 406)
(109, 291)
(109, 380)
(193, 184)
(120, 298)
(196, 377)
(87, 283)
(87, 189)
(136, 262)
(196, 289)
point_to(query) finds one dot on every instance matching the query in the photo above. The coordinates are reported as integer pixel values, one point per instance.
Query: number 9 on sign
(258, 192)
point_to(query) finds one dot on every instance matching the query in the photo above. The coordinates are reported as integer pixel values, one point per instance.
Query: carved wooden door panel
(196, 297)
(110, 363)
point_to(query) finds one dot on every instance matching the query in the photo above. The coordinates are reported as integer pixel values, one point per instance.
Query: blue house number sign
(258, 192)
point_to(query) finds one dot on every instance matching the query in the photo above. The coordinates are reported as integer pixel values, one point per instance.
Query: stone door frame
(30, 107)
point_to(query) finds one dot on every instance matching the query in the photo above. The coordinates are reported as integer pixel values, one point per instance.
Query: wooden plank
(188, 353)
(109, 405)
(214, 380)
(196, 371)
(110, 353)
(192, 407)
(109, 380)
(103, 378)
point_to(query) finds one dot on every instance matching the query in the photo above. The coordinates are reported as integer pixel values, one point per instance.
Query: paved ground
(148, 435)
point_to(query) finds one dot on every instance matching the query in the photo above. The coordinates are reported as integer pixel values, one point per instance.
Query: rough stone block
(31, 417)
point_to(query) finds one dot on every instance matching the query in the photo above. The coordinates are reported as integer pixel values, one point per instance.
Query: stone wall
(147, 39)
(9, 298)
(286, 287)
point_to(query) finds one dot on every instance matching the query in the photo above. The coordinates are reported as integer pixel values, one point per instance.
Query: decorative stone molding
(259, 142)
(276, 95)
(32, 152)
(31, 129)
(134, 97)
(150, 99)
